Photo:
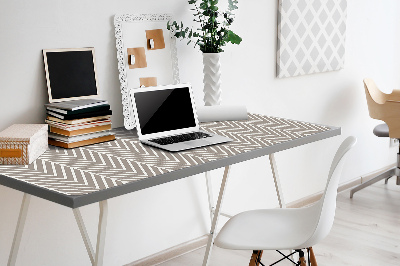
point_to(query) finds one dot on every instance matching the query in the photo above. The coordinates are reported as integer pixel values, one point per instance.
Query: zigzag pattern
(92, 168)
(59, 178)
(212, 79)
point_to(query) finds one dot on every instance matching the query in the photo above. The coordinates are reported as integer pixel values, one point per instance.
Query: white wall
(146, 222)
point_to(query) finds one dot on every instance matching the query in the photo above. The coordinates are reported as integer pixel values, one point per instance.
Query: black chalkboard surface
(70, 73)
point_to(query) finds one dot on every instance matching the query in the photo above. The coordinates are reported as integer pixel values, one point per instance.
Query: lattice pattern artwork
(311, 36)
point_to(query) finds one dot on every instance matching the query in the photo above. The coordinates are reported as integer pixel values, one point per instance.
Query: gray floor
(366, 232)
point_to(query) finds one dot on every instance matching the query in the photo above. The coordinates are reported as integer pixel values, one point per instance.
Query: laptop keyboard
(180, 138)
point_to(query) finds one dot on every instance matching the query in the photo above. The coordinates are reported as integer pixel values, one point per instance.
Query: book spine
(55, 115)
(79, 131)
(80, 111)
(81, 143)
(78, 121)
(80, 116)
(57, 110)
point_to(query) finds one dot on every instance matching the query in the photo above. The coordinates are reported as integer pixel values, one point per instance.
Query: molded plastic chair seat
(381, 130)
(269, 229)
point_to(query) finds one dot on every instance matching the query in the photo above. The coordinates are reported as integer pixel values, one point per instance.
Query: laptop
(166, 118)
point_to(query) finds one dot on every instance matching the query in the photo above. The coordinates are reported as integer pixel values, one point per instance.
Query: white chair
(287, 229)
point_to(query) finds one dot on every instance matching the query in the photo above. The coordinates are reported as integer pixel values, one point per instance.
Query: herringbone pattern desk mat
(92, 168)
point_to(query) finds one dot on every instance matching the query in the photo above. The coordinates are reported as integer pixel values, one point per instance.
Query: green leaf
(211, 35)
(204, 5)
(214, 2)
(233, 38)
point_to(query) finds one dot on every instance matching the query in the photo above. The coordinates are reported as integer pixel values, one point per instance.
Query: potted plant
(212, 35)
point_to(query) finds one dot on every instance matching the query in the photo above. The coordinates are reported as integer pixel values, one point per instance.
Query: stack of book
(78, 123)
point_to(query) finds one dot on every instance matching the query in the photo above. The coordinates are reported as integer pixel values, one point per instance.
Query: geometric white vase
(212, 79)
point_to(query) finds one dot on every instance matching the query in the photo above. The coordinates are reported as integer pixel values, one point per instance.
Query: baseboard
(315, 197)
(172, 252)
(200, 242)
(369, 176)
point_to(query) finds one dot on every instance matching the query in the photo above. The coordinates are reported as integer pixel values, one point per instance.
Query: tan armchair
(385, 107)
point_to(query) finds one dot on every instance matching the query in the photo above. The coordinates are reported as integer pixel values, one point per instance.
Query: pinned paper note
(155, 39)
(148, 82)
(137, 58)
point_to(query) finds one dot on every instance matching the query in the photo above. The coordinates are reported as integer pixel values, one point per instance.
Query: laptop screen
(164, 110)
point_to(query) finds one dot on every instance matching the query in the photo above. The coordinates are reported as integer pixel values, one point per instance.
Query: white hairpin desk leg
(19, 229)
(85, 236)
(95, 258)
(210, 195)
(216, 217)
(101, 233)
(277, 182)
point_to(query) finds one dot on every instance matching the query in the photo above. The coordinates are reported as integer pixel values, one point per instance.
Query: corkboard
(148, 82)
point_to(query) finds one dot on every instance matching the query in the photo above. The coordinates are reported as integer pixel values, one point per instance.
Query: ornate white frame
(129, 120)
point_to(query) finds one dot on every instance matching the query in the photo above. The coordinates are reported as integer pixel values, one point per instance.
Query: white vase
(212, 75)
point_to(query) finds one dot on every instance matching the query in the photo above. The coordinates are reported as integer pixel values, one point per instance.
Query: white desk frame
(101, 196)
(96, 258)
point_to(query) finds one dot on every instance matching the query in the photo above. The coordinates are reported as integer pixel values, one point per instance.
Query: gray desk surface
(81, 176)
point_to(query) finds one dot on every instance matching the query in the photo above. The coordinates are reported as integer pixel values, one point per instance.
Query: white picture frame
(130, 33)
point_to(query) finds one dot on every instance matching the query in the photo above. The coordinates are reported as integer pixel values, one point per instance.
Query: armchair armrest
(394, 96)
(378, 96)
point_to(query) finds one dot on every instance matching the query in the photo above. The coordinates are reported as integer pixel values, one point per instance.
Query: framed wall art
(146, 53)
(311, 36)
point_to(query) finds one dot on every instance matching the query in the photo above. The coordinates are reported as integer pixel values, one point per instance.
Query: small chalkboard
(70, 74)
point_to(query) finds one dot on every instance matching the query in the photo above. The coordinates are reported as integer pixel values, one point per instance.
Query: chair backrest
(376, 99)
(382, 106)
(327, 203)
(373, 98)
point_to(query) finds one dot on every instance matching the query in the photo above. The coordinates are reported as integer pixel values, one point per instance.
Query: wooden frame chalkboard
(70, 74)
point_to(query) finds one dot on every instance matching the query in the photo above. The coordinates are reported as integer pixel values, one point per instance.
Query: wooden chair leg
(302, 259)
(313, 260)
(255, 258)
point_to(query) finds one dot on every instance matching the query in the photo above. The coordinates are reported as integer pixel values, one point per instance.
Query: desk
(91, 174)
